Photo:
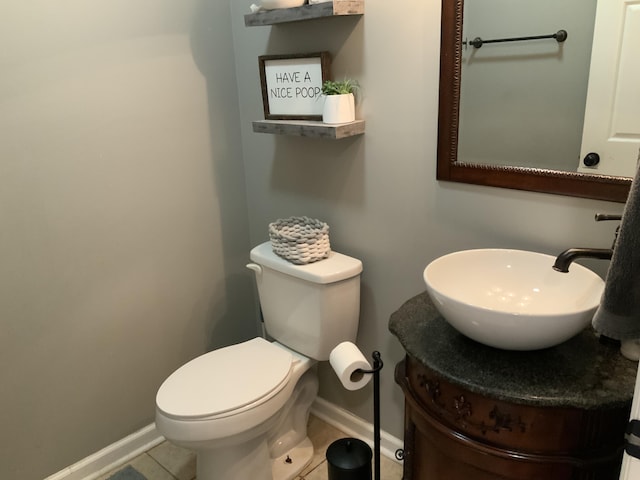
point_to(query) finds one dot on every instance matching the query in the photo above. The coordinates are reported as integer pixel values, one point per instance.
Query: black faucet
(568, 256)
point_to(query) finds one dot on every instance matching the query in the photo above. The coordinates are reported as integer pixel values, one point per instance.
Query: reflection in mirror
(522, 102)
(512, 113)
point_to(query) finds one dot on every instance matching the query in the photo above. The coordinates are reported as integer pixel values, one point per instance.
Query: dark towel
(618, 315)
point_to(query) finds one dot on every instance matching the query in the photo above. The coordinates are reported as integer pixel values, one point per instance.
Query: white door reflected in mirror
(612, 114)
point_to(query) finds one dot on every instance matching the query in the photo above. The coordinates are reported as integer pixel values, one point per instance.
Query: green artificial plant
(340, 87)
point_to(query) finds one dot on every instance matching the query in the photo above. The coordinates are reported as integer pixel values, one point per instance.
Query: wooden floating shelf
(305, 12)
(308, 128)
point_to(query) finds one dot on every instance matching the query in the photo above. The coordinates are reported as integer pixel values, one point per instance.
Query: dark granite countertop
(580, 372)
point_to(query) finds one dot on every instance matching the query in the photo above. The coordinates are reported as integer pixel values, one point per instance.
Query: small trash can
(349, 459)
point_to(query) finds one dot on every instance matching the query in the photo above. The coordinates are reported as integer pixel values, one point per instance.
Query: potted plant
(339, 102)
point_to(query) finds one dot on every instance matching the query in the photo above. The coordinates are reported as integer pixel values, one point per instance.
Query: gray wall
(123, 217)
(378, 192)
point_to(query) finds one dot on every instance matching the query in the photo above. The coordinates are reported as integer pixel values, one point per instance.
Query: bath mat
(128, 473)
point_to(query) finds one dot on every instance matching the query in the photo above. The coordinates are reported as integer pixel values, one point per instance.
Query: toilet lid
(225, 379)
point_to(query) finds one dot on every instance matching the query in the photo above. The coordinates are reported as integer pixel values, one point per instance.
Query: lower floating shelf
(308, 128)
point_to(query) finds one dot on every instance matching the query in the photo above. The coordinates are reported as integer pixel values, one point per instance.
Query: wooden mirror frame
(600, 187)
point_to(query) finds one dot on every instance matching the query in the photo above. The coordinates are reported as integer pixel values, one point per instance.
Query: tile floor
(168, 462)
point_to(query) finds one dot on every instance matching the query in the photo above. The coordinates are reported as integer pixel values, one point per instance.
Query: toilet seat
(224, 381)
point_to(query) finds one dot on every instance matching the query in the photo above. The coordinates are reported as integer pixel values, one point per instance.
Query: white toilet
(244, 408)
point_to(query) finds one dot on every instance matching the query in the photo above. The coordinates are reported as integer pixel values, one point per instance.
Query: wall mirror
(512, 112)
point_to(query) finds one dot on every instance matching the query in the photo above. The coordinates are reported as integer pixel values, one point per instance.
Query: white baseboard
(111, 457)
(356, 427)
(120, 452)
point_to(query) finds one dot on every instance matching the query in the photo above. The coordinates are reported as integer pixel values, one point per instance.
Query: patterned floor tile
(181, 463)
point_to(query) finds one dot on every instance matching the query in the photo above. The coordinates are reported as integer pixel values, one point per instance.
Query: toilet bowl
(256, 408)
(244, 408)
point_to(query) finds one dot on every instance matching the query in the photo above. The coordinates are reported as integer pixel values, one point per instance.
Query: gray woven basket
(300, 240)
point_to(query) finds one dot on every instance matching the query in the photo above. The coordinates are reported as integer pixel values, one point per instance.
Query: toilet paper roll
(345, 360)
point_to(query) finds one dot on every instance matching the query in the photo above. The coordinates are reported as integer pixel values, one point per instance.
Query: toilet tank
(309, 308)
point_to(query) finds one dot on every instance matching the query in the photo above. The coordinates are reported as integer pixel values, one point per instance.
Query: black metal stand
(377, 366)
(350, 458)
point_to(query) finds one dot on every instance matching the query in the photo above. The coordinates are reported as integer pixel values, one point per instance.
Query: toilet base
(235, 463)
(289, 465)
(249, 462)
(251, 454)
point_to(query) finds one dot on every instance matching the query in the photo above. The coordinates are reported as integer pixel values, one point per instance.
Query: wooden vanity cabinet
(455, 434)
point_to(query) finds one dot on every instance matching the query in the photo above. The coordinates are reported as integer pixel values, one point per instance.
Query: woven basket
(300, 240)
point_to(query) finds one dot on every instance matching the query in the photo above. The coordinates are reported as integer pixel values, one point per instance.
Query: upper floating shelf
(305, 12)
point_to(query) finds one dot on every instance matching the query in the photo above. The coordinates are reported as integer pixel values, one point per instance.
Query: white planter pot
(339, 109)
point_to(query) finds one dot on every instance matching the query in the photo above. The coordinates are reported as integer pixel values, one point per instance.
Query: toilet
(244, 408)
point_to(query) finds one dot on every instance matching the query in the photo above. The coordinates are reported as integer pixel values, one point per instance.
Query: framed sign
(292, 85)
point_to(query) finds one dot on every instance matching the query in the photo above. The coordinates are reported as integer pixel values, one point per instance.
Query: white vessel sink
(512, 299)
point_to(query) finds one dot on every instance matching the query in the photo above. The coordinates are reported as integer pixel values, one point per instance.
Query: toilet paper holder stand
(335, 453)
(375, 371)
